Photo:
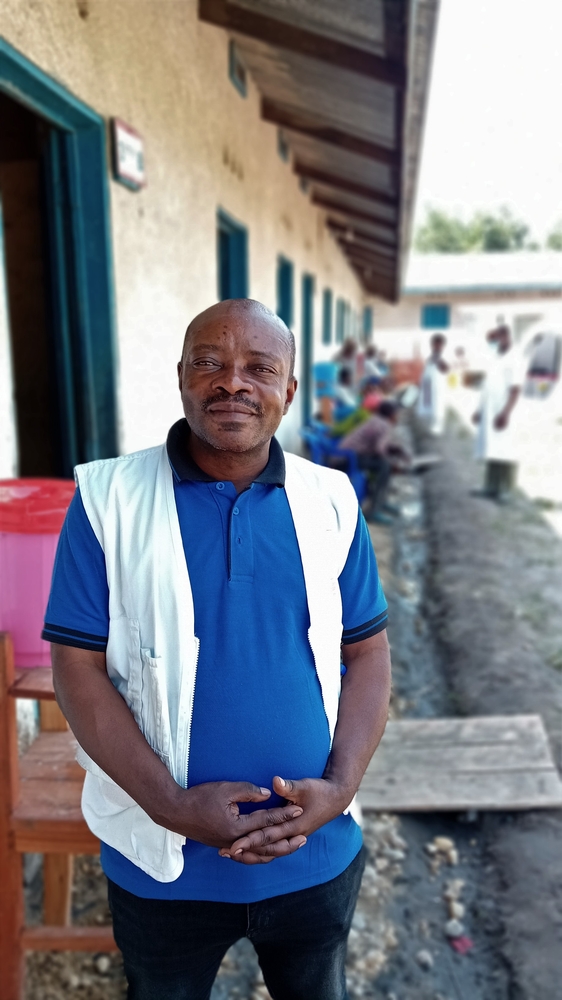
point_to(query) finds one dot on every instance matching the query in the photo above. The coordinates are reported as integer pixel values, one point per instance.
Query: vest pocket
(154, 717)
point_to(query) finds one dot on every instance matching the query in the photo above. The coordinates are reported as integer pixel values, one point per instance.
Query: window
(435, 316)
(367, 324)
(327, 316)
(236, 69)
(232, 252)
(340, 321)
(285, 290)
(282, 145)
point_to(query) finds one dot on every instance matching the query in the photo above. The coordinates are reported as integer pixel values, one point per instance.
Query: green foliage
(485, 232)
(554, 239)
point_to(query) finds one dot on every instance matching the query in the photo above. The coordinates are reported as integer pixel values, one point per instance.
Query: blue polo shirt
(258, 707)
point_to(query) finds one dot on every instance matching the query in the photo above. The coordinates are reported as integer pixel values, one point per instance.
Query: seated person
(345, 397)
(379, 453)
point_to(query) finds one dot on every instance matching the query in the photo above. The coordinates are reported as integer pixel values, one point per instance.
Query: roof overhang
(347, 82)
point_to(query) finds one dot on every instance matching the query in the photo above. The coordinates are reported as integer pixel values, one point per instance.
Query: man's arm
(362, 715)
(502, 419)
(103, 725)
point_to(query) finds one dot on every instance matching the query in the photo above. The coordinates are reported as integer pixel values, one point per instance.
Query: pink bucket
(31, 515)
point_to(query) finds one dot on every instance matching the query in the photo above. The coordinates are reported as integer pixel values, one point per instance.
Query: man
(496, 441)
(200, 595)
(377, 449)
(432, 398)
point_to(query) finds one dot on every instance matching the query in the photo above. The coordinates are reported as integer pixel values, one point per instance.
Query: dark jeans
(172, 949)
(378, 469)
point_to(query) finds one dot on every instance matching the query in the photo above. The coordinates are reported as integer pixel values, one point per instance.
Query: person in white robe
(432, 400)
(497, 438)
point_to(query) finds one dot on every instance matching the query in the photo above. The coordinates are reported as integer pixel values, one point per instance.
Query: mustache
(223, 397)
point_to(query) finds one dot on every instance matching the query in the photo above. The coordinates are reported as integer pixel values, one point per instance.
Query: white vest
(152, 647)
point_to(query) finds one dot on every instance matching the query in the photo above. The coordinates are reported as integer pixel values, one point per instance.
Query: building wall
(158, 68)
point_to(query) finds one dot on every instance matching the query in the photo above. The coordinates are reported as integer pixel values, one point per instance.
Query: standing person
(496, 440)
(376, 447)
(201, 592)
(433, 387)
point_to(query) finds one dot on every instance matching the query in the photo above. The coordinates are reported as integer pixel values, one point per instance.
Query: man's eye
(205, 363)
(262, 368)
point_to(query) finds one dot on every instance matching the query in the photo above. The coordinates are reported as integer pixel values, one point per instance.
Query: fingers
(245, 791)
(267, 853)
(268, 818)
(264, 837)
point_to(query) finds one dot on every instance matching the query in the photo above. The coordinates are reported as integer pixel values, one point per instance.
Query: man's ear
(292, 386)
(180, 374)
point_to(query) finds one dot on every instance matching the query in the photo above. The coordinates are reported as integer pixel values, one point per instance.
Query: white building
(464, 295)
(155, 157)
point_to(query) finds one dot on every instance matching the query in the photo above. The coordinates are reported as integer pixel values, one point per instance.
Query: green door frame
(307, 356)
(81, 258)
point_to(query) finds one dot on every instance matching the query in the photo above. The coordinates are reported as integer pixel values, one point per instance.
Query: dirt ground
(475, 594)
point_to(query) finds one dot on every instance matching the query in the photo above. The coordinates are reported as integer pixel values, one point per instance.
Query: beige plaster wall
(166, 74)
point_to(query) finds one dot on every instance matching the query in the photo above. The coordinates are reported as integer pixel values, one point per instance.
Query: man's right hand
(209, 813)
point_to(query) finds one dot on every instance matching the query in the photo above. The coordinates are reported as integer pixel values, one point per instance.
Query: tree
(485, 232)
(554, 238)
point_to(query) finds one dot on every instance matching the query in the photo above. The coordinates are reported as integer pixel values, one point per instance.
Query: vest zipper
(190, 719)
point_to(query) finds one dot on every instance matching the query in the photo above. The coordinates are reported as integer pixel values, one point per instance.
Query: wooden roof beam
(352, 234)
(344, 184)
(358, 253)
(366, 260)
(297, 121)
(354, 213)
(283, 35)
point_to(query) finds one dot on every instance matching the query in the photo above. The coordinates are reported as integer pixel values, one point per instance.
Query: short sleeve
(365, 611)
(78, 609)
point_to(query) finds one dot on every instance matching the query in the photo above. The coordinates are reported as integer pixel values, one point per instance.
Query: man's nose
(233, 379)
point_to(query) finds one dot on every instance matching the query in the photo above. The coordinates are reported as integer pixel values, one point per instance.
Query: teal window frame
(232, 257)
(307, 345)
(81, 257)
(236, 69)
(367, 324)
(435, 316)
(327, 309)
(340, 321)
(285, 290)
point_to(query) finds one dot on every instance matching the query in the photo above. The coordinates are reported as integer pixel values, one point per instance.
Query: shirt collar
(184, 468)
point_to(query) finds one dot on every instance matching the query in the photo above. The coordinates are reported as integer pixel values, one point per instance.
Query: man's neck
(239, 468)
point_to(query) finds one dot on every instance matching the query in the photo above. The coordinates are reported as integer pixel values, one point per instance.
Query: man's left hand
(321, 800)
(501, 421)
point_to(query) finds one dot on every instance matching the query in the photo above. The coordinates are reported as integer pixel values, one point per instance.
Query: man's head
(388, 411)
(236, 375)
(500, 336)
(438, 342)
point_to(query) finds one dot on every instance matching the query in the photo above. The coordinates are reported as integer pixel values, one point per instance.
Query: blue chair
(325, 450)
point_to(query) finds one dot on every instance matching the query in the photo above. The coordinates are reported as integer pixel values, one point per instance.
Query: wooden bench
(39, 813)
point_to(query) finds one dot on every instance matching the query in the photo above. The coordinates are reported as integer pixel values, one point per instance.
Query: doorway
(56, 277)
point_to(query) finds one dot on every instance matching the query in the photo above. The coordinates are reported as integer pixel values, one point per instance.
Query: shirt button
(235, 510)
(220, 486)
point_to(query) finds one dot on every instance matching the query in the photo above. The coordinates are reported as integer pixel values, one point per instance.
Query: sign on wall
(128, 155)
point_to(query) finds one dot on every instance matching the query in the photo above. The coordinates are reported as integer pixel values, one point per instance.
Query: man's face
(234, 378)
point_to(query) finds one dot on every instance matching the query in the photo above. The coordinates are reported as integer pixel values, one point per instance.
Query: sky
(493, 133)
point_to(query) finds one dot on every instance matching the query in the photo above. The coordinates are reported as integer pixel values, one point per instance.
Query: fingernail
(282, 780)
(225, 856)
(264, 791)
(297, 812)
(302, 845)
(239, 851)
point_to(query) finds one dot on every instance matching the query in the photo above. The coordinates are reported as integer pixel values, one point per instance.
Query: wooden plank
(354, 213)
(284, 35)
(445, 791)
(344, 184)
(52, 757)
(474, 729)
(306, 124)
(33, 682)
(361, 235)
(57, 889)
(42, 938)
(11, 874)
(52, 719)
(489, 762)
